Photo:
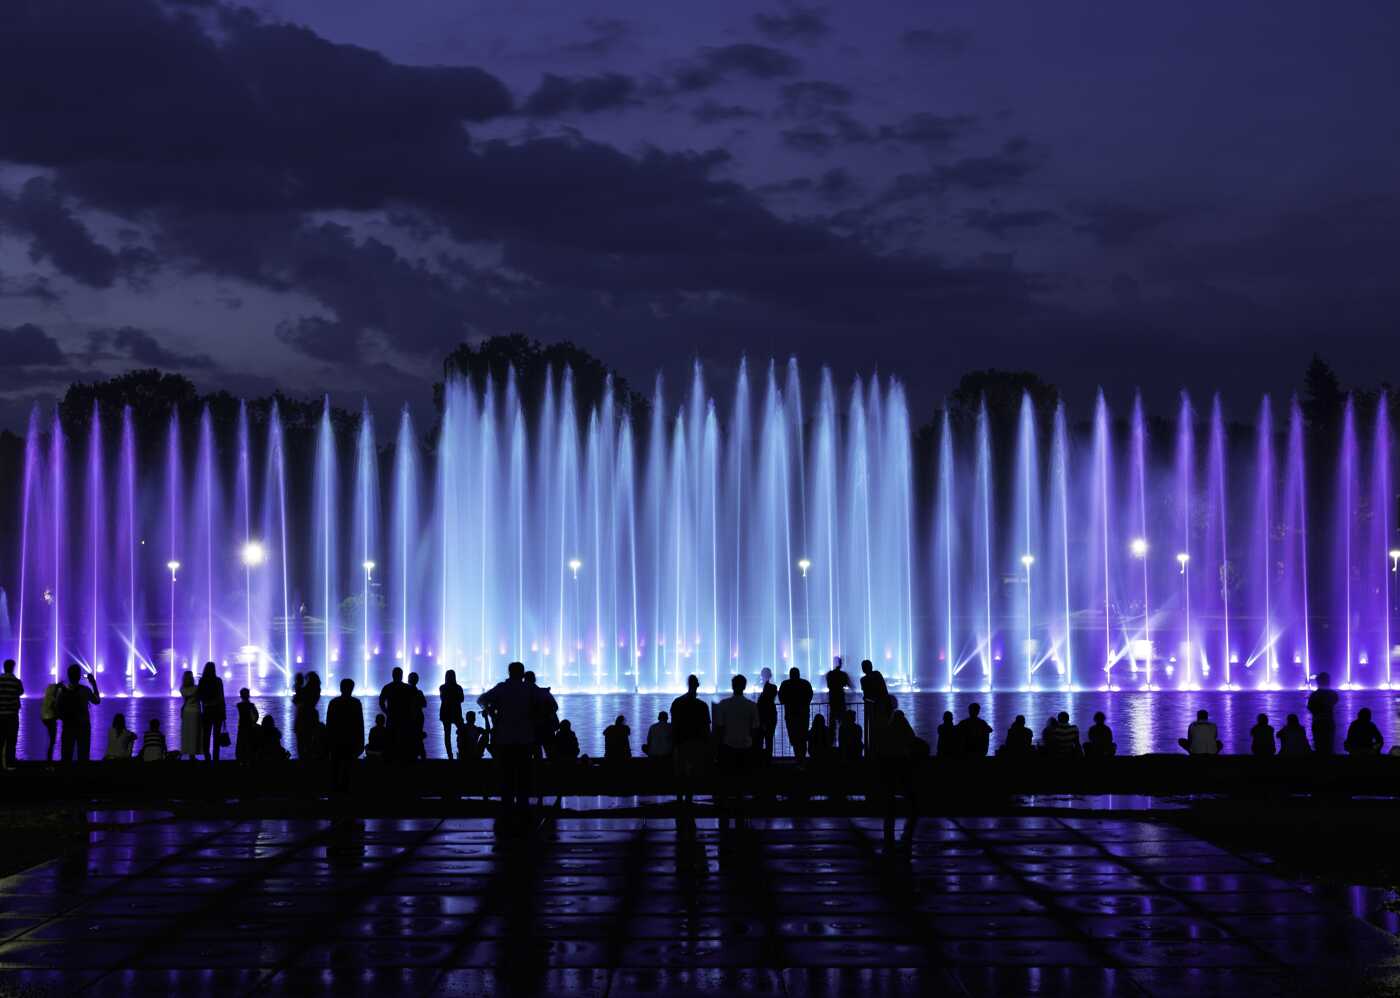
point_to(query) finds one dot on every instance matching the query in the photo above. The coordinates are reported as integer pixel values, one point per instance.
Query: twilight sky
(327, 195)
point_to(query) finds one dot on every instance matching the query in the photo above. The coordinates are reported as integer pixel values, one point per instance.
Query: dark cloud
(794, 24)
(141, 347)
(605, 34)
(837, 184)
(927, 130)
(1119, 224)
(56, 235)
(712, 112)
(29, 346)
(1002, 223)
(557, 94)
(324, 339)
(930, 41)
(715, 65)
(1014, 162)
(813, 98)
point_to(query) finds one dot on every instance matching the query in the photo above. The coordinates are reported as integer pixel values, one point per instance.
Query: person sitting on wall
(1293, 738)
(1261, 737)
(1363, 737)
(1202, 737)
(1018, 740)
(1100, 744)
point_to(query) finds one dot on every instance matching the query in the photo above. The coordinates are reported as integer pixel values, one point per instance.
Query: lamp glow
(253, 554)
(1027, 560)
(1138, 547)
(367, 565)
(574, 565)
(1181, 559)
(1395, 559)
(174, 567)
(804, 564)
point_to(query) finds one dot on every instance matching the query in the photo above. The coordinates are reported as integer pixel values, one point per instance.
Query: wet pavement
(1043, 905)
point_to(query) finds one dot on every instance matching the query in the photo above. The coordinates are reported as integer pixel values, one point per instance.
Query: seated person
(658, 744)
(1064, 738)
(1293, 738)
(270, 742)
(564, 748)
(377, 742)
(1018, 739)
(974, 734)
(153, 743)
(1261, 737)
(818, 740)
(120, 740)
(617, 741)
(1100, 744)
(1202, 737)
(471, 739)
(1363, 737)
(1047, 734)
(948, 747)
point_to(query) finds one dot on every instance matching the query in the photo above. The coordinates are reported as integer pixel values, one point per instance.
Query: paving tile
(1181, 953)
(200, 983)
(684, 982)
(1023, 952)
(586, 982)
(1046, 982)
(370, 982)
(1218, 982)
(878, 982)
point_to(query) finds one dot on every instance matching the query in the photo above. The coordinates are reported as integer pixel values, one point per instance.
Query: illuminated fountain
(777, 522)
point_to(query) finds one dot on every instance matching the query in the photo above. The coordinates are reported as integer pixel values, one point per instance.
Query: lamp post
(174, 567)
(575, 564)
(802, 565)
(1027, 560)
(252, 555)
(368, 566)
(1390, 607)
(1138, 547)
(1183, 558)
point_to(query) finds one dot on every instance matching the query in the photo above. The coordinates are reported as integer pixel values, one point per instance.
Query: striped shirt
(10, 691)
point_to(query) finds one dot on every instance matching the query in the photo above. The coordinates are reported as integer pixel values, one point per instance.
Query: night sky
(327, 195)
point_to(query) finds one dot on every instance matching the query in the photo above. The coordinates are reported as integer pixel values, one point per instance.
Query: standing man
(795, 694)
(513, 740)
(11, 689)
(877, 701)
(737, 728)
(396, 702)
(837, 683)
(1322, 705)
(73, 707)
(345, 732)
(690, 737)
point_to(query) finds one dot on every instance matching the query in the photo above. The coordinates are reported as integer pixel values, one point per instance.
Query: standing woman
(48, 713)
(246, 748)
(191, 724)
(307, 716)
(213, 710)
(450, 699)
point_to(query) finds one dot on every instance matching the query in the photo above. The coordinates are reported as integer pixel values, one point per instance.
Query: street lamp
(803, 564)
(1027, 560)
(1390, 608)
(1183, 559)
(253, 554)
(174, 567)
(1138, 547)
(574, 565)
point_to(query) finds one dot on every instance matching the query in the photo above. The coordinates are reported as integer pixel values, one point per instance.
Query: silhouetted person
(660, 743)
(1322, 705)
(894, 755)
(1292, 739)
(837, 683)
(396, 701)
(48, 715)
(947, 745)
(191, 723)
(73, 708)
(120, 740)
(1261, 737)
(544, 714)
(1202, 737)
(471, 739)
(795, 694)
(306, 716)
(513, 736)
(418, 716)
(450, 700)
(270, 748)
(345, 731)
(819, 741)
(213, 711)
(564, 750)
(377, 741)
(246, 746)
(974, 734)
(1047, 733)
(617, 741)
(153, 743)
(690, 733)
(1099, 744)
(876, 696)
(11, 689)
(1018, 742)
(767, 712)
(1363, 737)
(852, 739)
(1064, 737)
(736, 729)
